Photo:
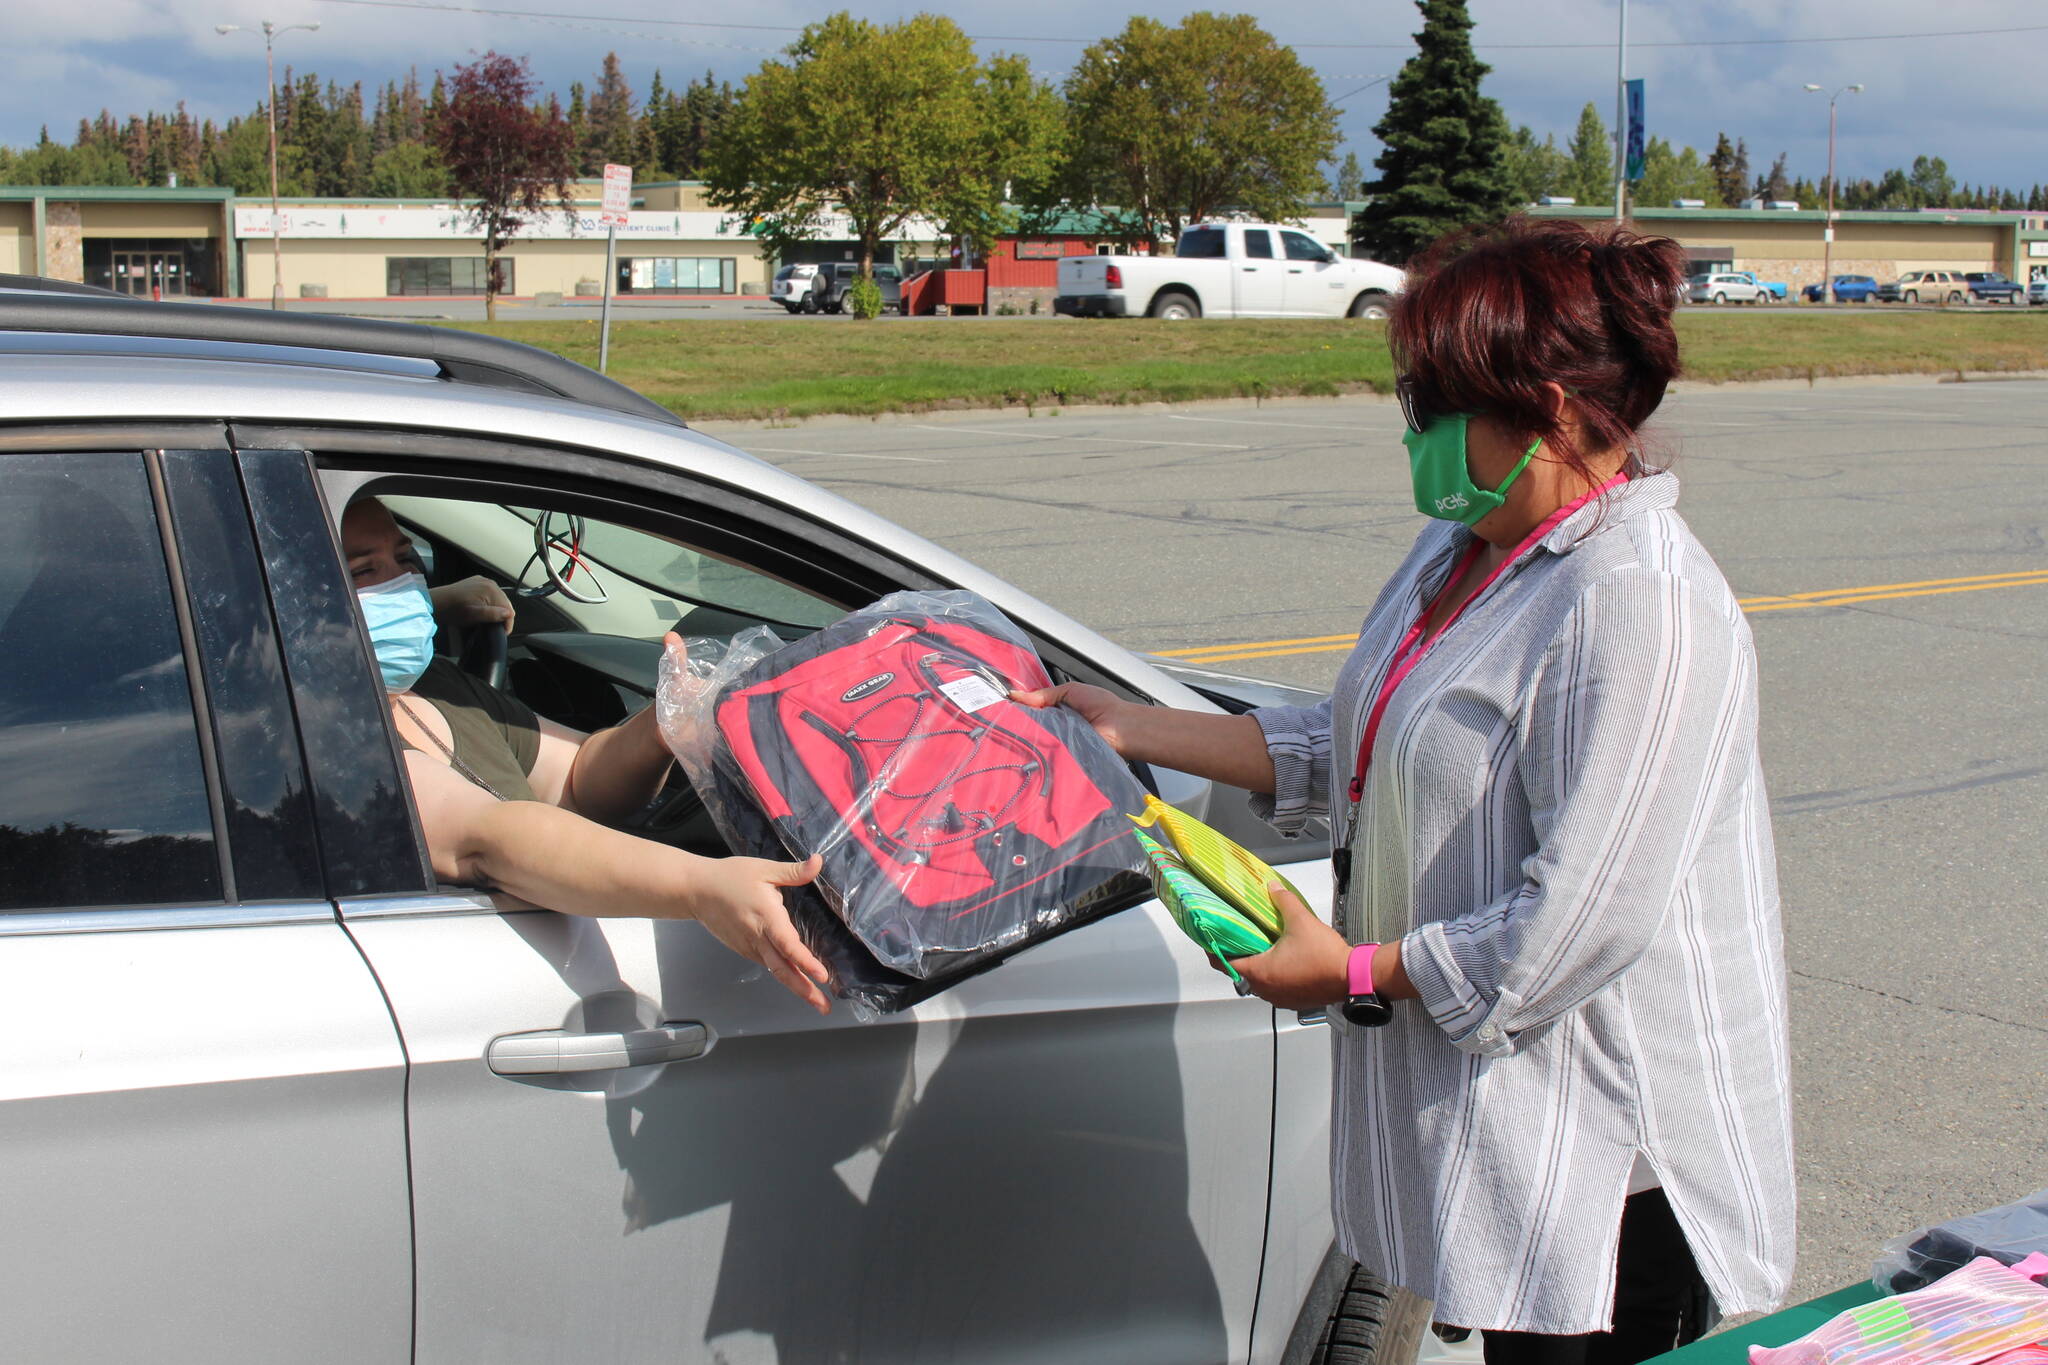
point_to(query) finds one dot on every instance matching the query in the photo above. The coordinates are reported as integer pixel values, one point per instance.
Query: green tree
(1776, 183)
(882, 123)
(1172, 125)
(608, 134)
(1669, 176)
(1535, 169)
(1730, 167)
(1592, 156)
(1931, 182)
(1444, 160)
(1349, 182)
(408, 170)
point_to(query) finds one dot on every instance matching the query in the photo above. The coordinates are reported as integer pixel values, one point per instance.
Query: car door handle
(1294, 270)
(554, 1052)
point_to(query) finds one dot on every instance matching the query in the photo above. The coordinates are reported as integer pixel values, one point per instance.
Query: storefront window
(679, 275)
(443, 275)
(148, 267)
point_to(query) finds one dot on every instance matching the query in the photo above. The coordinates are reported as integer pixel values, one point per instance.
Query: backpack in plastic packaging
(956, 825)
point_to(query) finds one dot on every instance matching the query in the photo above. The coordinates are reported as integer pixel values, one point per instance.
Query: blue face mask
(400, 616)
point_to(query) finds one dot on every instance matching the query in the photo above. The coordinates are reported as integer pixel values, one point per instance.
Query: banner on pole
(1636, 134)
(618, 196)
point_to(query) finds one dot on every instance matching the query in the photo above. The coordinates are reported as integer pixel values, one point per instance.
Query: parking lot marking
(1823, 597)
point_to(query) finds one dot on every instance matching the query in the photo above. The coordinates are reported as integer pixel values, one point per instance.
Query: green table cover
(1732, 1346)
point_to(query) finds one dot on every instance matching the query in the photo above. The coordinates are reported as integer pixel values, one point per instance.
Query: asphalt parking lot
(1888, 540)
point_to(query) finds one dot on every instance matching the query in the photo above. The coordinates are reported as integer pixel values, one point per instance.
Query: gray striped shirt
(1564, 822)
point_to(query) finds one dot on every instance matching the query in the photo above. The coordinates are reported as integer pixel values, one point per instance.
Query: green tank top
(497, 736)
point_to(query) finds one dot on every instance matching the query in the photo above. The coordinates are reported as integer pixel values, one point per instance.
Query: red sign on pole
(618, 196)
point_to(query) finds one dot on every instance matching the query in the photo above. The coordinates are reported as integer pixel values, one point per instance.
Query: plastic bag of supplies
(956, 826)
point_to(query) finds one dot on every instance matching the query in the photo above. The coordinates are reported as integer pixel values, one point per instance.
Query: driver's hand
(474, 601)
(740, 901)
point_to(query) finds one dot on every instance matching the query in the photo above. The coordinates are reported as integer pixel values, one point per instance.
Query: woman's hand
(740, 901)
(474, 601)
(1099, 706)
(1305, 970)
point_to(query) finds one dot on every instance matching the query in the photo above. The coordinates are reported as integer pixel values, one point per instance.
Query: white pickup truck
(1229, 270)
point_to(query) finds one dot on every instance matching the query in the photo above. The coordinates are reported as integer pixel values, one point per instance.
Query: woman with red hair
(1556, 975)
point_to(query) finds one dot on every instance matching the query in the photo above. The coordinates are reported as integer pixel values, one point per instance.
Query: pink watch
(1363, 1005)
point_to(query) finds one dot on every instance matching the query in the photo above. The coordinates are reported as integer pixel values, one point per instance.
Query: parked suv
(1846, 289)
(299, 1101)
(1987, 286)
(800, 287)
(1723, 286)
(1923, 286)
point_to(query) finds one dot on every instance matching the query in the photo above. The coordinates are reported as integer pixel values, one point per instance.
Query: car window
(105, 801)
(1301, 247)
(650, 583)
(888, 273)
(1202, 243)
(1259, 245)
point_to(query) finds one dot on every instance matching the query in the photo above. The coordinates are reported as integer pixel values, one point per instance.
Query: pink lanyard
(1416, 643)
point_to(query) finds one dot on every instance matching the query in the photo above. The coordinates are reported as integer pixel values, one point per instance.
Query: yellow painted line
(1992, 580)
(1822, 597)
(1257, 644)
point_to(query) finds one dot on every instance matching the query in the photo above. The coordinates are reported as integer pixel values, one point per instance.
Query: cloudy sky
(1972, 99)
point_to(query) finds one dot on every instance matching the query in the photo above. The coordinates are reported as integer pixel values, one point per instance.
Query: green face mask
(1443, 485)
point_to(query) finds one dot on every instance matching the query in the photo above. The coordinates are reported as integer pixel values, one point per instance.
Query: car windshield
(1696, 279)
(887, 272)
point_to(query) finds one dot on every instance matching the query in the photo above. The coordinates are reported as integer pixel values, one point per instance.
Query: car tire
(1374, 1323)
(1954, 296)
(809, 305)
(1910, 296)
(1720, 297)
(1174, 306)
(1371, 304)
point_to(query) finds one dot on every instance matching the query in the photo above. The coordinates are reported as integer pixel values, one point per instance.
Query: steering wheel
(568, 545)
(483, 653)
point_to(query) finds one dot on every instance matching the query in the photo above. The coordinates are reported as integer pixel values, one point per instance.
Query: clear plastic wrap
(956, 826)
(1968, 1317)
(2007, 1233)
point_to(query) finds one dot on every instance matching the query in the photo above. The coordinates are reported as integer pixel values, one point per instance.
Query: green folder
(1217, 927)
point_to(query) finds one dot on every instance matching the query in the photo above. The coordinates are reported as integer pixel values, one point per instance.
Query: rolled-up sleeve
(1631, 735)
(1298, 738)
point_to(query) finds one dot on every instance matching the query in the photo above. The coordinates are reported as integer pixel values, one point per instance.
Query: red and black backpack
(956, 826)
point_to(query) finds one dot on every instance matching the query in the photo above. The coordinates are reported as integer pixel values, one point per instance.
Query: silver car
(277, 1095)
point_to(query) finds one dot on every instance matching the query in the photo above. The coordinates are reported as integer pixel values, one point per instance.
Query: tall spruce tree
(1443, 163)
(1592, 153)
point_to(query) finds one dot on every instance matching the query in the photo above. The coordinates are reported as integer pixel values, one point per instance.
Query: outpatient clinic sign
(452, 223)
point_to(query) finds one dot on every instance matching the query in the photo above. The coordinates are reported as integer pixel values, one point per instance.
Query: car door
(1317, 283)
(1259, 276)
(203, 1099)
(1063, 1160)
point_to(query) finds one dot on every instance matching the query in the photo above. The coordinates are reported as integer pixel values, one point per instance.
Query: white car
(1726, 287)
(797, 287)
(275, 1093)
(1229, 270)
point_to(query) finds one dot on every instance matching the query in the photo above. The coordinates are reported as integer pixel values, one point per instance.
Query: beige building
(1787, 245)
(184, 242)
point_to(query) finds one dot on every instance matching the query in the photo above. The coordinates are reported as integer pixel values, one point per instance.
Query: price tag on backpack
(971, 693)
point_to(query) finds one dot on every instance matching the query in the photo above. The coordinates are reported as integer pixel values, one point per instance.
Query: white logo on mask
(1453, 503)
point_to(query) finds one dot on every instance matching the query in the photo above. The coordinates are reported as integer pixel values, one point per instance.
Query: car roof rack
(462, 357)
(44, 284)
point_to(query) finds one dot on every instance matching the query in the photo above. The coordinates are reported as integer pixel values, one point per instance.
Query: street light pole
(270, 32)
(1827, 238)
(1621, 116)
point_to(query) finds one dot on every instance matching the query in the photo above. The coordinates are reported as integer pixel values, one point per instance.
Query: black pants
(1660, 1301)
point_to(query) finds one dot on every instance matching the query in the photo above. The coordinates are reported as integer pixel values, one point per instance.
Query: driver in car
(511, 800)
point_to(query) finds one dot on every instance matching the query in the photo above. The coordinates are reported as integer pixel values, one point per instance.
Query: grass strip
(773, 369)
